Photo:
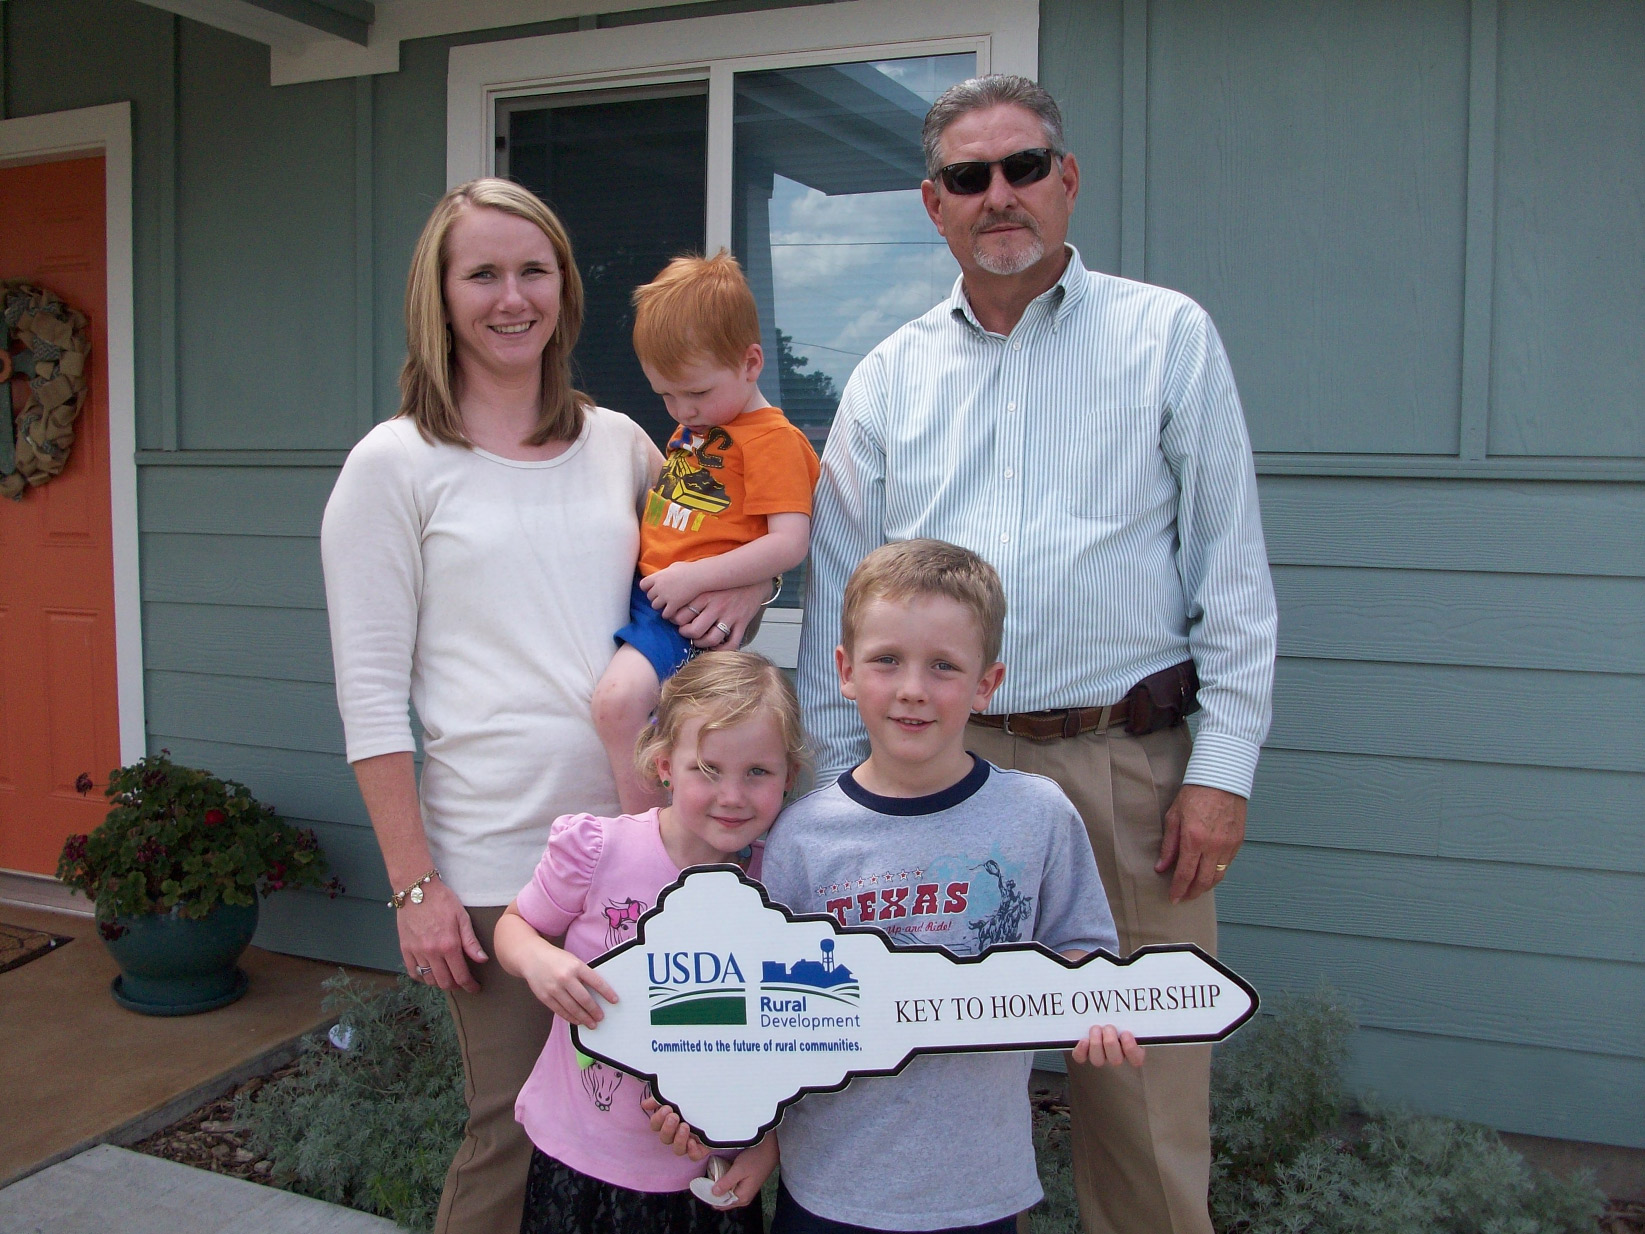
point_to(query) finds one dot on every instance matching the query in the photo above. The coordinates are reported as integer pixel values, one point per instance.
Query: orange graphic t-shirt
(719, 484)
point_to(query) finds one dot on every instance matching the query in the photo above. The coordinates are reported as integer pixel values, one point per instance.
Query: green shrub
(1282, 1163)
(374, 1126)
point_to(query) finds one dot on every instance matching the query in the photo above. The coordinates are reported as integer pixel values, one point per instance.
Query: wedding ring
(723, 628)
(1222, 867)
(423, 972)
(693, 610)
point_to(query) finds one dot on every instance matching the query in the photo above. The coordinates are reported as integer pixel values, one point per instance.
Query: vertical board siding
(1305, 183)
(265, 252)
(1083, 42)
(1569, 362)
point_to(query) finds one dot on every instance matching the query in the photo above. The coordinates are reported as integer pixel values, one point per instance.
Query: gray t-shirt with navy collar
(1002, 856)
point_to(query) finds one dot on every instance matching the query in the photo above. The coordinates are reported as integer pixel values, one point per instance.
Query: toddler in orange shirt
(732, 505)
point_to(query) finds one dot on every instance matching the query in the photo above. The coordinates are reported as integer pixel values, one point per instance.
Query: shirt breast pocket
(1107, 464)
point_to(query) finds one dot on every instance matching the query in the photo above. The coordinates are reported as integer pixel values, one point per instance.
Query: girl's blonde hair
(428, 378)
(723, 689)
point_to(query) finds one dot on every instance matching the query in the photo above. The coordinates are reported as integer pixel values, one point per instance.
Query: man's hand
(1203, 830)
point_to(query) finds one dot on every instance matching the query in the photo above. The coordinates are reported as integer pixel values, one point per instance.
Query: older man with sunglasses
(1082, 433)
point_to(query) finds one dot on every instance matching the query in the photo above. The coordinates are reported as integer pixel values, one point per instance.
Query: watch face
(416, 896)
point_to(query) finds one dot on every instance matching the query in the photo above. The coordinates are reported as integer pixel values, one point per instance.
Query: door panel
(59, 713)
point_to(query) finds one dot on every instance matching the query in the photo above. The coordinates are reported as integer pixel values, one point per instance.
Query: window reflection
(827, 218)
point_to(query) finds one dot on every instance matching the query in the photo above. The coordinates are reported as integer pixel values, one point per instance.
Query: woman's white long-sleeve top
(485, 590)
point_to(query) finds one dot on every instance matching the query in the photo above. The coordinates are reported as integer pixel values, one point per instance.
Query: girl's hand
(437, 936)
(748, 1172)
(1106, 1046)
(672, 1130)
(561, 982)
(673, 588)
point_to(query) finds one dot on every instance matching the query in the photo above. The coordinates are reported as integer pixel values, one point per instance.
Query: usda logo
(696, 987)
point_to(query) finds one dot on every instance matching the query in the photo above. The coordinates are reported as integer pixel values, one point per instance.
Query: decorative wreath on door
(34, 445)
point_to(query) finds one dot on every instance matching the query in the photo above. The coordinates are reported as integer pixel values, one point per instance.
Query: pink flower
(215, 816)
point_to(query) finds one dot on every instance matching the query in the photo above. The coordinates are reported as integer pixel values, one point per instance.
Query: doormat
(19, 945)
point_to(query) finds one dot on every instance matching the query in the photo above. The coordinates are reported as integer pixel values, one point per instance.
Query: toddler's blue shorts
(652, 635)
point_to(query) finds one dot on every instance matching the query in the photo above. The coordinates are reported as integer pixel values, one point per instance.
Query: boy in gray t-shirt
(932, 845)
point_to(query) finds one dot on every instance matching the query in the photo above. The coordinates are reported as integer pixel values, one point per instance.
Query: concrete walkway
(77, 1070)
(107, 1188)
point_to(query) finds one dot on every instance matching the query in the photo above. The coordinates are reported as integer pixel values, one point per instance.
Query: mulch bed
(208, 1139)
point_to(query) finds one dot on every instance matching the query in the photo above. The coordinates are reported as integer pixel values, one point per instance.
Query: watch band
(776, 590)
(414, 893)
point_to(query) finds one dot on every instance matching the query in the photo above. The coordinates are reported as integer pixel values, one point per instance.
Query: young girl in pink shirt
(727, 744)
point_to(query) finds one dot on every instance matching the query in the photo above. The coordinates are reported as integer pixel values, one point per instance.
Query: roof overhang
(315, 40)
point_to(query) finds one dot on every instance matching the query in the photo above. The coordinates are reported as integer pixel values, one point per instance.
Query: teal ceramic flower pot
(180, 966)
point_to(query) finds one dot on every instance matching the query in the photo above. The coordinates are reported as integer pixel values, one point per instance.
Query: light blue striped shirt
(1097, 456)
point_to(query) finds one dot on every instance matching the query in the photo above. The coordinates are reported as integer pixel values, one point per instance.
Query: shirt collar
(1060, 296)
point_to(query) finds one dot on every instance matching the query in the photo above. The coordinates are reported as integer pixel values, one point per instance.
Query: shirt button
(1009, 473)
(1010, 407)
(1017, 346)
(1004, 539)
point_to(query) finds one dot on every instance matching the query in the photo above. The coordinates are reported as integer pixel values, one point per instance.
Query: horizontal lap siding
(1449, 821)
(238, 669)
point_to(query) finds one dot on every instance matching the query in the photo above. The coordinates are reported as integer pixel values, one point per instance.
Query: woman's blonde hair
(723, 689)
(428, 378)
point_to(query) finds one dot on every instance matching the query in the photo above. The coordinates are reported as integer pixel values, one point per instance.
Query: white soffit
(299, 52)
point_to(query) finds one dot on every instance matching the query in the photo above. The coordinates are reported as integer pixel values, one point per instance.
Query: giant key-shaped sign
(732, 1007)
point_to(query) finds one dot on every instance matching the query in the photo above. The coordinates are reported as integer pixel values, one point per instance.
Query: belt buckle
(1005, 723)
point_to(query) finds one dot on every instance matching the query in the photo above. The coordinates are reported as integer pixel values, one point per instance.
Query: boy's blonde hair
(697, 307)
(723, 689)
(911, 568)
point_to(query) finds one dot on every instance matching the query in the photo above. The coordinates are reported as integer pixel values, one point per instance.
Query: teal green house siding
(1420, 228)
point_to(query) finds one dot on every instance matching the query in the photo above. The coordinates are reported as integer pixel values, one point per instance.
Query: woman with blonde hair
(479, 549)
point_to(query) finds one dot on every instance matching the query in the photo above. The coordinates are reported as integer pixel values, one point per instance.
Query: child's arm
(559, 980)
(781, 548)
(749, 1170)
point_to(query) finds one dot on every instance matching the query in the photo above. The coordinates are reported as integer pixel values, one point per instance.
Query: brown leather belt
(1162, 700)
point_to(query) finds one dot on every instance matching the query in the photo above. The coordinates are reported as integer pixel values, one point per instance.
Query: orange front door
(59, 714)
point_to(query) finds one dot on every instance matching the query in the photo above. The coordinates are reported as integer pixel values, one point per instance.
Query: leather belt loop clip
(1161, 700)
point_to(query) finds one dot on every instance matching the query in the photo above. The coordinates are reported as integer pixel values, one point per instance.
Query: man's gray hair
(989, 91)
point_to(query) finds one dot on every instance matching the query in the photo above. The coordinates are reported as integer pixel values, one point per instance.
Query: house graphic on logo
(821, 977)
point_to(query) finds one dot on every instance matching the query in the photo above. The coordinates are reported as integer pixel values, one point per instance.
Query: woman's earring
(665, 783)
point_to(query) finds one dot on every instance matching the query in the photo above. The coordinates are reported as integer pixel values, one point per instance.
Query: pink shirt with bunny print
(596, 879)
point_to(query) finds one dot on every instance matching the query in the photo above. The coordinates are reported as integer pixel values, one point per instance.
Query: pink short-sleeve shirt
(595, 880)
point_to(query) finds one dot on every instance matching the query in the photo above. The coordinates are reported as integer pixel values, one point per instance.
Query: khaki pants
(1141, 1136)
(501, 1031)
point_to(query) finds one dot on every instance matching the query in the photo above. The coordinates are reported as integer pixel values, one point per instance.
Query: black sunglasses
(1023, 167)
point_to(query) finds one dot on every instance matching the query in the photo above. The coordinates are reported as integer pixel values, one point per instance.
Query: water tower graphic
(825, 976)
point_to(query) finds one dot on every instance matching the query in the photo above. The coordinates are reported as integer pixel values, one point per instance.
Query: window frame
(1003, 34)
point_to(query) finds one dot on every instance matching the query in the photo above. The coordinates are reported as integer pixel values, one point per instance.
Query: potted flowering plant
(175, 869)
